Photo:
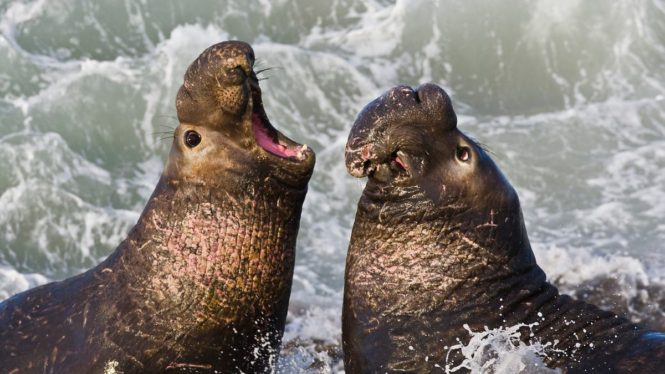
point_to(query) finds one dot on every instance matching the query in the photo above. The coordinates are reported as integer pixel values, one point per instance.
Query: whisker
(268, 69)
(167, 128)
(484, 147)
(263, 70)
(258, 62)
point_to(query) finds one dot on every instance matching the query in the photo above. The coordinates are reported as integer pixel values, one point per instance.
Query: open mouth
(271, 140)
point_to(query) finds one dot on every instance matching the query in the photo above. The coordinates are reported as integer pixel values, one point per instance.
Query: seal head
(223, 125)
(408, 145)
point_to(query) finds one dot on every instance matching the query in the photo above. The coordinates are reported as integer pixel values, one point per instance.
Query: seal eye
(192, 138)
(463, 154)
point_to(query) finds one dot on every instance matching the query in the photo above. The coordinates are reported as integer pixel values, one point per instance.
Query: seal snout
(436, 106)
(358, 161)
(401, 115)
(220, 78)
(236, 61)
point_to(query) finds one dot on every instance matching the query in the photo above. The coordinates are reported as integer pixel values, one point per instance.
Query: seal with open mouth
(202, 282)
(439, 244)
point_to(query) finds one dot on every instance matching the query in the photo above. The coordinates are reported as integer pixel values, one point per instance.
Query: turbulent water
(568, 94)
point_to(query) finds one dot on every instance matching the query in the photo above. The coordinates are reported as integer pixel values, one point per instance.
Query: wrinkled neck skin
(417, 272)
(214, 265)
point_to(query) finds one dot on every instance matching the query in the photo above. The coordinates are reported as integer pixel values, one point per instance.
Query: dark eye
(463, 154)
(192, 138)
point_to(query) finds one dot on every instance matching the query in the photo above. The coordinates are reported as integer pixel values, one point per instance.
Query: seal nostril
(417, 96)
(241, 70)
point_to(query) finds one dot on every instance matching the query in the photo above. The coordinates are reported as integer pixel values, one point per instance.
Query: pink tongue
(266, 142)
(400, 162)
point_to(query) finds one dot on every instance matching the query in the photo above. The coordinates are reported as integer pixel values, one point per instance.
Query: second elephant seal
(439, 246)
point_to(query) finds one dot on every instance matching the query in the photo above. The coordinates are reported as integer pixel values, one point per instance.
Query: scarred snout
(375, 135)
(217, 79)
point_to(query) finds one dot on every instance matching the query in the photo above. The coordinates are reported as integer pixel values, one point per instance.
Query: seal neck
(220, 261)
(208, 233)
(452, 240)
(443, 261)
(449, 276)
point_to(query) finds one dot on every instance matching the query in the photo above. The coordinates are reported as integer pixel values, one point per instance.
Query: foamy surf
(501, 351)
(14, 282)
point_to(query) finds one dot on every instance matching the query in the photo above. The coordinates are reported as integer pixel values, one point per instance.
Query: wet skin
(202, 282)
(439, 242)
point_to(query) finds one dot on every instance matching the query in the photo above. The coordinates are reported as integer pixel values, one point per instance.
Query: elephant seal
(202, 282)
(439, 244)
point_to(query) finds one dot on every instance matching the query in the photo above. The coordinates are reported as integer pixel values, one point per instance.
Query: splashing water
(501, 351)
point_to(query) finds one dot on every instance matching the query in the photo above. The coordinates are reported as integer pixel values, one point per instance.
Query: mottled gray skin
(439, 242)
(202, 282)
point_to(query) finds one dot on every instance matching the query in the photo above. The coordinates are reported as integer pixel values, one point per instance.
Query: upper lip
(294, 152)
(426, 105)
(359, 158)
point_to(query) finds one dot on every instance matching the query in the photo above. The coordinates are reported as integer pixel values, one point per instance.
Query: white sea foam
(18, 12)
(311, 341)
(12, 282)
(574, 267)
(43, 196)
(501, 351)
